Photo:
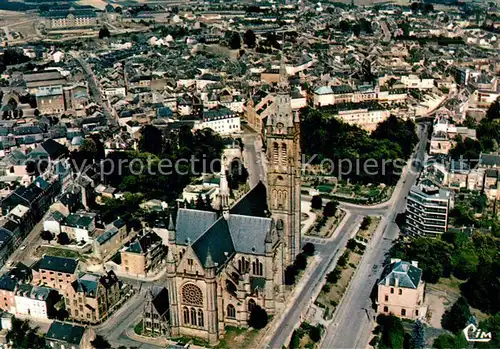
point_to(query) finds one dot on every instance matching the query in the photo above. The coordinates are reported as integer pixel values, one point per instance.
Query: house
(143, 255)
(63, 335)
(8, 287)
(113, 238)
(156, 315)
(90, 297)
(55, 272)
(53, 222)
(401, 290)
(36, 301)
(221, 120)
(79, 226)
(6, 245)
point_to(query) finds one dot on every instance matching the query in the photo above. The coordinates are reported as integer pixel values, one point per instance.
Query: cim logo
(474, 334)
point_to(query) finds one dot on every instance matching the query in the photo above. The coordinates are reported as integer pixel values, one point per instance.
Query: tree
(392, 331)
(36, 113)
(258, 318)
(351, 244)
(100, 342)
(330, 208)
(315, 333)
(447, 341)
(46, 235)
(249, 38)
(235, 42)
(367, 220)
(151, 140)
(493, 112)
(417, 340)
(356, 29)
(455, 319)
(344, 25)
(63, 239)
(300, 261)
(23, 336)
(316, 202)
(104, 33)
(415, 6)
(492, 324)
(309, 249)
(482, 290)
(333, 276)
(290, 274)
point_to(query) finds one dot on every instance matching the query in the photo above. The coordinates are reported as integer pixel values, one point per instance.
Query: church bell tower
(284, 167)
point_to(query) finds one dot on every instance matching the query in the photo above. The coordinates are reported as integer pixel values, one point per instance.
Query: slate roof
(191, 224)
(249, 233)
(217, 243)
(489, 160)
(144, 243)
(69, 333)
(87, 284)
(7, 283)
(254, 203)
(408, 276)
(58, 264)
(160, 299)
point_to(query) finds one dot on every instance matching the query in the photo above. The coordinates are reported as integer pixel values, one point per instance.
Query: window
(392, 290)
(284, 157)
(186, 315)
(416, 312)
(386, 309)
(275, 154)
(190, 262)
(231, 311)
(400, 291)
(251, 305)
(191, 294)
(403, 312)
(201, 321)
(386, 298)
(193, 316)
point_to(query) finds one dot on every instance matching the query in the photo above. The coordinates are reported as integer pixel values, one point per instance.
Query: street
(353, 322)
(351, 327)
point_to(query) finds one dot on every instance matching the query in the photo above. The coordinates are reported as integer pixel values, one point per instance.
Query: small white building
(53, 222)
(35, 301)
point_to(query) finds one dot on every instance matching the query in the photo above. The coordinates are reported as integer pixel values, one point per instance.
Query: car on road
(22, 248)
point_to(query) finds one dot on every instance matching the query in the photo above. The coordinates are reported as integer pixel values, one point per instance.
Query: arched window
(201, 320)
(259, 268)
(403, 312)
(251, 305)
(284, 155)
(240, 269)
(186, 315)
(231, 288)
(276, 154)
(231, 311)
(193, 316)
(283, 199)
(386, 309)
(254, 271)
(191, 294)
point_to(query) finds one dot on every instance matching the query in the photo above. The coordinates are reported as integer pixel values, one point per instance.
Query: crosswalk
(314, 240)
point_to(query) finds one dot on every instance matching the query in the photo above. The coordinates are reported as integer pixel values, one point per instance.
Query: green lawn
(59, 252)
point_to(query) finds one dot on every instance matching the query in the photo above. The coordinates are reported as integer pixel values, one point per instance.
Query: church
(220, 265)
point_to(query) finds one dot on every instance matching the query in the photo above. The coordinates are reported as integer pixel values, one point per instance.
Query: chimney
(414, 263)
(396, 282)
(395, 260)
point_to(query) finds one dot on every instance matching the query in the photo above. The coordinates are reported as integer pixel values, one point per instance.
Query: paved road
(353, 322)
(328, 253)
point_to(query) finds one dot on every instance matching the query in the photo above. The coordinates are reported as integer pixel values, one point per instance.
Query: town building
(143, 255)
(50, 99)
(36, 301)
(79, 226)
(66, 17)
(90, 297)
(55, 272)
(156, 315)
(62, 335)
(427, 210)
(401, 291)
(222, 120)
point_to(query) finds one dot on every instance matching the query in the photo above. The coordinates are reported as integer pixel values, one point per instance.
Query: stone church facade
(220, 265)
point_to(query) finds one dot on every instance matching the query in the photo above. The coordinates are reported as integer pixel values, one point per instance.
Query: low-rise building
(222, 120)
(156, 317)
(79, 226)
(36, 301)
(50, 99)
(401, 290)
(143, 255)
(55, 272)
(63, 335)
(90, 297)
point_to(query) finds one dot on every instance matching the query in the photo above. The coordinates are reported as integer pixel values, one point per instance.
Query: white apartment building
(222, 120)
(34, 301)
(364, 118)
(427, 210)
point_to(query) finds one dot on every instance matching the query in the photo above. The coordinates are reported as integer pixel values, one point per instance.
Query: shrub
(300, 261)
(290, 274)
(326, 288)
(343, 259)
(333, 276)
(351, 244)
(258, 318)
(309, 249)
(315, 333)
(366, 222)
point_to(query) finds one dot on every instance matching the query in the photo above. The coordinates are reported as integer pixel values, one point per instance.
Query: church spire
(224, 193)
(283, 77)
(209, 263)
